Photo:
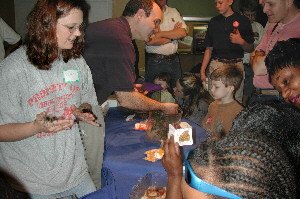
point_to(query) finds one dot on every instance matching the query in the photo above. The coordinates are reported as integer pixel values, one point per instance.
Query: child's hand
(236, 38)
(203, 77)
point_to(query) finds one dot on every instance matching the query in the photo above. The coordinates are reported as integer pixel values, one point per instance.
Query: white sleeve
(179, 18)
(7, 33)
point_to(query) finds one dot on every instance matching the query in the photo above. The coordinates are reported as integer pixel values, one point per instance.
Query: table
(123, 163)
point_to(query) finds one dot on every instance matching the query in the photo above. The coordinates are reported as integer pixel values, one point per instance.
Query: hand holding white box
(183, 135)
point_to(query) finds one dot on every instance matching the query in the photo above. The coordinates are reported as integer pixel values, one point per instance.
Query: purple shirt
(111, 56)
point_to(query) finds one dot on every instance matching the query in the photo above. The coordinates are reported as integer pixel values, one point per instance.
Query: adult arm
(137, 101)
(19, 131)
(177, 33)
(205, 62)
(88, 98)
(172, 162)
(163, 37)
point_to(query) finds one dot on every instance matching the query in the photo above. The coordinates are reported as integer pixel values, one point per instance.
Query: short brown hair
(133, 6)
(230, 76)
(40, 39)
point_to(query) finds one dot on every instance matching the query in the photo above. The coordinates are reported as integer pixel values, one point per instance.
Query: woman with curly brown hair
(46, 85)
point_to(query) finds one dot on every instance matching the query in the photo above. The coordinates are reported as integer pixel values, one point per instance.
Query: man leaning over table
(111, 56)
(161, 50)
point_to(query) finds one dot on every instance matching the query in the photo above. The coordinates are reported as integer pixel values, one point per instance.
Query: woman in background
(283, 65)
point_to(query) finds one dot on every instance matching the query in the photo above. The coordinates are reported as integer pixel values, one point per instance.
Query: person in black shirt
(226, 44)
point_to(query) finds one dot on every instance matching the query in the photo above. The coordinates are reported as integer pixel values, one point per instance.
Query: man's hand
(170, 108)
(257, 62)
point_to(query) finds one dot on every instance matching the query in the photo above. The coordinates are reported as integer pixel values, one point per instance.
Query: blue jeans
(157, 64)
(85, 187)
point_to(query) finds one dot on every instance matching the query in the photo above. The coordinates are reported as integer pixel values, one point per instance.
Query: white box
(183, 135)
(108, 104)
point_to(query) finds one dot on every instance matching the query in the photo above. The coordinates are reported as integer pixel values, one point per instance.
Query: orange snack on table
(140, 126)
(154, 154)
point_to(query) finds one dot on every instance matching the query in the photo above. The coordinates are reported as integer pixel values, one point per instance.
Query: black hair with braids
(283, 55)
(259, 158)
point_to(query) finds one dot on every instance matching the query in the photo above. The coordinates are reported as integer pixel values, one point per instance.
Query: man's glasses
(193, 181)
(72, 29)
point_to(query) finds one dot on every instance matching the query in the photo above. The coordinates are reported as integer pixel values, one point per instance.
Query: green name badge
(71, 76)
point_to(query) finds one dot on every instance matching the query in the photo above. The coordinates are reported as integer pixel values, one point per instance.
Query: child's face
(162, 83)
(223, 6)
(219, 91)
(287, 82)
(178, 90)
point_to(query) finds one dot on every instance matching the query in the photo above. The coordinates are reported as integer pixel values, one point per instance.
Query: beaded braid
(259, 157)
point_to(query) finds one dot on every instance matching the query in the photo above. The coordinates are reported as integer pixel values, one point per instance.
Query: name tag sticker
(71, 76)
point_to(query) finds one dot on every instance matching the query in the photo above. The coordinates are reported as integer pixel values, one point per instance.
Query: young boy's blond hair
(229, 75)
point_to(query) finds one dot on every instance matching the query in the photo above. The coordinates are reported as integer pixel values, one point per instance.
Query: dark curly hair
(133, 6)
(283, 55)
(40, 39)
(259, 158)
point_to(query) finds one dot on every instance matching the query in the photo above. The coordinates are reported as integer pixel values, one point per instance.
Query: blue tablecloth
(123, 163)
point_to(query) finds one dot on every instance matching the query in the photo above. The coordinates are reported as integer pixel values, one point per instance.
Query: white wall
(22, 9)
(100, 9)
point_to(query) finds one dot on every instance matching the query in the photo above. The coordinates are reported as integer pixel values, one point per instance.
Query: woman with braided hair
(259, 158)
(283, 65)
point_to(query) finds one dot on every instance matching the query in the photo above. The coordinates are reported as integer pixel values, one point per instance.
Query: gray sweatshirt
(45, 163)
